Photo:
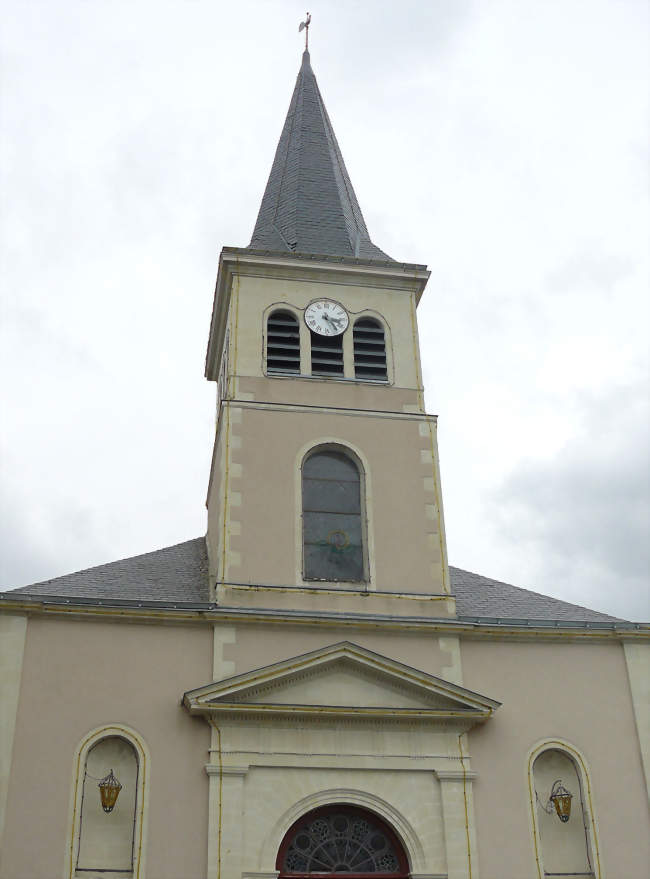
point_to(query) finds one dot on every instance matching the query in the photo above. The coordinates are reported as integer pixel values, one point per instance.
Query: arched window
(369, 350)
(106, 834)
(340, 841)
(562, 816)
(282, 343)
(331, 517)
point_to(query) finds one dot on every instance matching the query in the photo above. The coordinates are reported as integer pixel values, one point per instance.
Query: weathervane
(304, 25)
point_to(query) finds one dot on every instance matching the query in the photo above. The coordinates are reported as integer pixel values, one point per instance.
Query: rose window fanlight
(341, 843)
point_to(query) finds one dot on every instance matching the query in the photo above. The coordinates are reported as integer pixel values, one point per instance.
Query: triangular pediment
(340, 680)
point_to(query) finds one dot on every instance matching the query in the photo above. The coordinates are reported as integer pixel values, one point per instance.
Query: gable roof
(172, 574)
(179, 575)
(309, 205)
(479, 597)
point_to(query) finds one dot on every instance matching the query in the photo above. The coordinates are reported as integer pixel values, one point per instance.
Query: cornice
(251, 711)
(187, 613)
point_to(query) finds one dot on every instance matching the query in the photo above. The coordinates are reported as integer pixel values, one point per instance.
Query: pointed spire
(309, 205)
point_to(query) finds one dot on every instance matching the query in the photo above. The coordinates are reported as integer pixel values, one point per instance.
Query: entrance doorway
(341, 841)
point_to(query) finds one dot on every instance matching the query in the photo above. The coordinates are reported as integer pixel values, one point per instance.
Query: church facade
(311, 689)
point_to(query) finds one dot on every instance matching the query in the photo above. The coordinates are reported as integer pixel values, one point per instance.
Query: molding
(215, 769)
(328, 589)
(220, 696)
(191, 613)
(456, 774)
(329, 410)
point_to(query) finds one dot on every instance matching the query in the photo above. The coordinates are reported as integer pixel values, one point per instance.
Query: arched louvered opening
(369, 350)
(282, 343)
(326, 354)
(331, 517)
(341, 841)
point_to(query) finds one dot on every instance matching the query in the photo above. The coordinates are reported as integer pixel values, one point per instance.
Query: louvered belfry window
(369, 350)
(282, 343)
(326, 354)
(331, 513)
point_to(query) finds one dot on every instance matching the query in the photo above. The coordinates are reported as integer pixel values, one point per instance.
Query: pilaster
(458, 823)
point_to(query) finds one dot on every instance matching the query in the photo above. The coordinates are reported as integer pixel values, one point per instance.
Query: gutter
(193, 611)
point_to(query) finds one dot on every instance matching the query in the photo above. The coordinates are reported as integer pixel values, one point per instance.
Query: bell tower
(324, 489)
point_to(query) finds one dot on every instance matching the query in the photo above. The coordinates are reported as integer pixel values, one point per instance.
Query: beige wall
(81, 675)
(574, 692)
(253, 646)
(264, 448)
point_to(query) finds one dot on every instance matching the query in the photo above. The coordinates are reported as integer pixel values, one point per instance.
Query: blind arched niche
(565, 846)
(106, 839)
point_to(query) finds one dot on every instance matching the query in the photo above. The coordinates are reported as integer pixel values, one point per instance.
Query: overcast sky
(503, 143)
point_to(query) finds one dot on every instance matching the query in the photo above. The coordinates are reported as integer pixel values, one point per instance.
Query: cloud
(583, 515)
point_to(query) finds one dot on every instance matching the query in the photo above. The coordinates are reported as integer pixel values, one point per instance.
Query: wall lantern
(109, 788)
(561, 799)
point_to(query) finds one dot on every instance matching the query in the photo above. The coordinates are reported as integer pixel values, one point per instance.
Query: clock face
(326, 318)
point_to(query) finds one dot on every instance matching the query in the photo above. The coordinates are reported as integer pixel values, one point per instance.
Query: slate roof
(479, 596)
(175, 573)
(309, 205)
(179, 574)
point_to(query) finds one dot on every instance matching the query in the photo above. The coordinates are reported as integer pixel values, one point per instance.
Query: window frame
(349, 453)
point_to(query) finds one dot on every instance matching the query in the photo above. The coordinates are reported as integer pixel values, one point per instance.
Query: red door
(341, 841)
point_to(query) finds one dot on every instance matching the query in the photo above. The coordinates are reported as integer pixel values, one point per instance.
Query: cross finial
(304, 25)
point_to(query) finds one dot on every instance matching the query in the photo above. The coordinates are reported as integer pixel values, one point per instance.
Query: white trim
(366, 513)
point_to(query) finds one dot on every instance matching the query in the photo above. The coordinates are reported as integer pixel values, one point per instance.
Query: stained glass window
(340, 841)
(332, 526)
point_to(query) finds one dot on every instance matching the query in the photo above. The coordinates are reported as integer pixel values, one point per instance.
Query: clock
(327, 318)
